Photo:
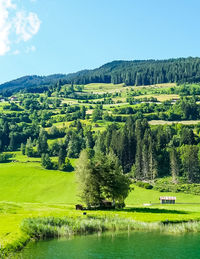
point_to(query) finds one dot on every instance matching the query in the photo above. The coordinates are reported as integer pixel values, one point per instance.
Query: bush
(166, 185)
(4, 158)
(46, 162)
(144, 185)
(67, 166)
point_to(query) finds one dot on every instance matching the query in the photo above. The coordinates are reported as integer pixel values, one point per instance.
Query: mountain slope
(138, 72)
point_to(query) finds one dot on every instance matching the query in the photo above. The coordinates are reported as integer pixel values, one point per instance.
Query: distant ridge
(137, 72)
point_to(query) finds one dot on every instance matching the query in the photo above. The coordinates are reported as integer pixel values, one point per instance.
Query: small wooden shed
(79, 207)
(167, 200)
(105, 204)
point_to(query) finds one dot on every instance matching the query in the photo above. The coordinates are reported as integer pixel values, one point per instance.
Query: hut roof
(168, 198)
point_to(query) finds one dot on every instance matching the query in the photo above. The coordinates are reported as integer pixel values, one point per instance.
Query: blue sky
(61, 36)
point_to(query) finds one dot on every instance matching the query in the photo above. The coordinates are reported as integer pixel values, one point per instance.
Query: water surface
(136, 245)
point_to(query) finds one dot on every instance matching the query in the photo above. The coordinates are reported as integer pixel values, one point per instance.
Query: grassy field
(29, 182)
(27, 190)
(104, 88)
(160, 97)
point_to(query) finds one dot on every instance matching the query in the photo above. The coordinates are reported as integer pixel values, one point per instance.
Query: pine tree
(83, 112)
(145, 156)
(29, 148)
(174, 165)
(12, 142)
(23, 147)
(138, 156)
(61, 156)
(46, 161)
(190, 162)
(42, 146)
(153, 170)
(138, 160)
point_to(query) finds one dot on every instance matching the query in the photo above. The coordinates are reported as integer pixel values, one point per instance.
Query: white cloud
(16, 52)
(26, 25)
(16, 24)
(30, 49)
(5, 25)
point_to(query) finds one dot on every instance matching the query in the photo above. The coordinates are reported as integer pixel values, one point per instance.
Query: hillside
(137, 72)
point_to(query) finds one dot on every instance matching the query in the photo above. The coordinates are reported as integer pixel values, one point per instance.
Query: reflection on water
(136, 245)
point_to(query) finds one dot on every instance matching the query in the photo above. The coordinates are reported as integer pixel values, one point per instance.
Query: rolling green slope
(28, 182)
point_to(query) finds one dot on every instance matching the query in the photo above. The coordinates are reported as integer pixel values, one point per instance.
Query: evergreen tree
(174, 165)
(97, 113)
(190, 162)
(29, 148)
(145, 156)
(153, 167)
(83, 112)
(61, 156)
(23, 148)
(46, 161)
(12, 144)
(42, 146)
(114, 184)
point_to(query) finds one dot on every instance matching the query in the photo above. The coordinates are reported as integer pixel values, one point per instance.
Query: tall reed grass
(51, 227)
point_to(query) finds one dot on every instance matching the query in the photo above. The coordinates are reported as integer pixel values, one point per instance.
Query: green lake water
(143, 245)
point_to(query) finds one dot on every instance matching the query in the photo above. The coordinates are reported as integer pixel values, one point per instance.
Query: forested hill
(31, 81)
(143, 72)
(138, 72)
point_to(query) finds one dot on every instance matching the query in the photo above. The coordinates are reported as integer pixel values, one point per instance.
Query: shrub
(4, 158)
(144, 185)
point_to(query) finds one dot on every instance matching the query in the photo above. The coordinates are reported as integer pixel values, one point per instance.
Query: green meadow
(27, 190)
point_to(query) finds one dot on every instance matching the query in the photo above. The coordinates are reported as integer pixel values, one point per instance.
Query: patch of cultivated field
(160, 97)
(103, 88)
(162, 122)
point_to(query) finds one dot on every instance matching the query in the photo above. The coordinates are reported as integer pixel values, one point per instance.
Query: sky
(45, 37)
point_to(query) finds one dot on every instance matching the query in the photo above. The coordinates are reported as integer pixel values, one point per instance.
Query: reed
(43, 228)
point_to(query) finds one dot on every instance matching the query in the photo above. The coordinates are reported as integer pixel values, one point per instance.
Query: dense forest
(143, 151)
(138, 72)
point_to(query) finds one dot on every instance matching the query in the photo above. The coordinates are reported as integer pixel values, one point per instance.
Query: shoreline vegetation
(44, 228)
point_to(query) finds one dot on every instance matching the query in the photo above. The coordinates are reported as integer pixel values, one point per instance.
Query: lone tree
(101, 178)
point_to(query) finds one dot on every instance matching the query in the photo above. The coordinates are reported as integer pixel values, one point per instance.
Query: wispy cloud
(26, 25)
(16, 52)
(5, 25)
(15, 25)
(30, 49)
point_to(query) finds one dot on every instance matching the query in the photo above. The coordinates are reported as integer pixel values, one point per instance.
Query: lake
(143, 245)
